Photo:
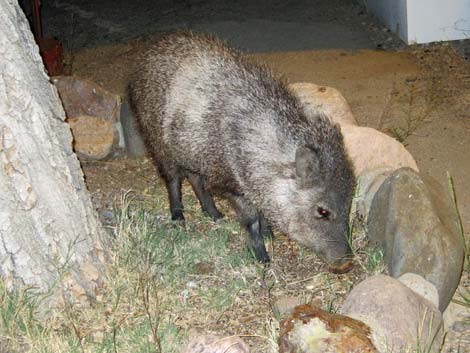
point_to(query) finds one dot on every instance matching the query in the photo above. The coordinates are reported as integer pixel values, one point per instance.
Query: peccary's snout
(339, 259)
(342, 265)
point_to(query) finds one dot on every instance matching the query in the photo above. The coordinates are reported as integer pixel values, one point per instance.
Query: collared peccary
(209, 114)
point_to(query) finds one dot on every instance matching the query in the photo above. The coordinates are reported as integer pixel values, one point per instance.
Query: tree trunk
(49, 233)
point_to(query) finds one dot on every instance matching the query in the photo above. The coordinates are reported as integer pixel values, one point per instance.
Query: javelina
(211, 115)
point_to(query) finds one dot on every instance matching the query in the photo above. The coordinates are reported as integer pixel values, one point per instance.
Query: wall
(424, 21)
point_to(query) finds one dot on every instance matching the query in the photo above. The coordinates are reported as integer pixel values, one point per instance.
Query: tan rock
(400, 319)
(372, 149)
(216, 344)
(93, 137)
(324, 99)
(367, 147)
(94, 116)
(420, 286)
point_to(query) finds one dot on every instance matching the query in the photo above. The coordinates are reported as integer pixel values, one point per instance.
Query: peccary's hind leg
(250, 218)
(204, 197)
(265, 228)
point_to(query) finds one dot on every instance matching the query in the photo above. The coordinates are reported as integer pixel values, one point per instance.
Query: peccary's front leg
(204, 197)
(173, 186)
(250, 218)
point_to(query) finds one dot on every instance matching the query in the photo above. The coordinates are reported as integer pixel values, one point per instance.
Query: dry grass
(167, 282)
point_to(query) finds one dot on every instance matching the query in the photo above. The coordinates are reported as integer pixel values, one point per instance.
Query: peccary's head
(317, 196)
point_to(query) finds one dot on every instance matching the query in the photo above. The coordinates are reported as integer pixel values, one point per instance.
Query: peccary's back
(204, 107)
(208, 109)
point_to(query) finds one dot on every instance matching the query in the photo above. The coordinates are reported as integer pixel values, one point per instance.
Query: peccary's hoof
(178, 221)
(177, 215)
(261, 255)
(341, 266)
(215, 215)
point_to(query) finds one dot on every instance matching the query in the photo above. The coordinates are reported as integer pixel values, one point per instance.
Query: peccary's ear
(306, 166)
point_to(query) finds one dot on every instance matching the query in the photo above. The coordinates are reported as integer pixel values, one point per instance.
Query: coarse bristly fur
(208, 112)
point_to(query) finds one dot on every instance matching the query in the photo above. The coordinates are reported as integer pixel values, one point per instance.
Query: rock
(135, 146)
(216, 344)
(93, 115)
(367, 147)
(367, 185)
(397, 316)
(420, 286)
(416, 225)
(93, 138)
(84, 97)
(324, 99)
(371, 149)
(286, 304)
(312, 330)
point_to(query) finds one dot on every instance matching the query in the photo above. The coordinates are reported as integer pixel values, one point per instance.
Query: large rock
(420, 286)
(400, 320)
(94, 117)
(372, 149)
(368, 148)
(312, 330)
(416, 225)
(84, 97)
(93, 138)
(324, 99)
(367, 184)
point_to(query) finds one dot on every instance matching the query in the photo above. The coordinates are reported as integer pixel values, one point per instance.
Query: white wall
(438, 20)
(424, 21)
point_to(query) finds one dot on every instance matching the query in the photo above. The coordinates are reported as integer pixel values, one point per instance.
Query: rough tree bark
(49, 233)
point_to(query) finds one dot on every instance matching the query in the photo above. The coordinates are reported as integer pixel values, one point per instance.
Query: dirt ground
(421, 96)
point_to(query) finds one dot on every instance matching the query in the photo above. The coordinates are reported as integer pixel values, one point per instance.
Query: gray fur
(206, 110)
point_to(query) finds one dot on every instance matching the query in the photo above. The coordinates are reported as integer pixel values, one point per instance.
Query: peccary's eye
(323, 213)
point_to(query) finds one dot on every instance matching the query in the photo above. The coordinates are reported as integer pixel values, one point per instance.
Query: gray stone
(420, 286)
(399, 319)
(416, 225)
(367, 185)
(135, 146)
